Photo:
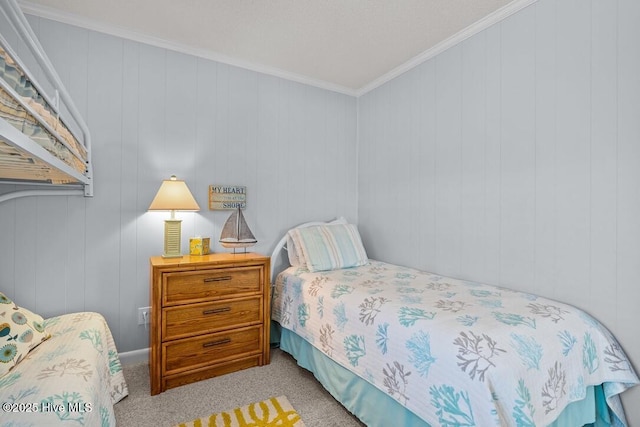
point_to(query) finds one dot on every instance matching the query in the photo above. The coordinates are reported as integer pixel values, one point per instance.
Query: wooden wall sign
(224, 197)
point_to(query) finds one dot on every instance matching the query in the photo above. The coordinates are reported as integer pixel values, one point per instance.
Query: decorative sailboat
(236, 233)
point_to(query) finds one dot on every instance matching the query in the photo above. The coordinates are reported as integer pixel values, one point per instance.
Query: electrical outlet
(144, 315)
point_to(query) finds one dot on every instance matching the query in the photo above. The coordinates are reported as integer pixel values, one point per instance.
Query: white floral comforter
(455, 353)
(72, 379)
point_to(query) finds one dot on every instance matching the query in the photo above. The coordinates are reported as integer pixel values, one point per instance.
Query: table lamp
(173, 195)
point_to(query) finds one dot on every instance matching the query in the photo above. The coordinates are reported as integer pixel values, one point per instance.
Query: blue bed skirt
(376, 408)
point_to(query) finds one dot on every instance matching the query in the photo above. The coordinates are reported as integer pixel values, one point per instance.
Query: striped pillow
(296, 257)
(329, 247)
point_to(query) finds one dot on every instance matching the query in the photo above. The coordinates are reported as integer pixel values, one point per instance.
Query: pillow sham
(296, 258)
(329, 247)
(20, 332)
(293, 252)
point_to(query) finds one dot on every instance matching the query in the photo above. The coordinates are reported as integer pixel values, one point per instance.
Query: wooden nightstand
(210, 316)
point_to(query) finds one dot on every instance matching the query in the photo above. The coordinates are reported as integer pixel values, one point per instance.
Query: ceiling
(343, 45)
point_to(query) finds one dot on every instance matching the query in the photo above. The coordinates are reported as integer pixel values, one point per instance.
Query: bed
(45, 145)
(68, 374)
(398, 346)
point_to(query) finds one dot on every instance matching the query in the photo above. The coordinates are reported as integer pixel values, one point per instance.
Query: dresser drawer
(184, 287)
(195, 319)
(209, 349)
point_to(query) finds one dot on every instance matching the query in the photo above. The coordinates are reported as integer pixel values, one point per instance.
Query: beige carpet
(275, 411)
(282, 377)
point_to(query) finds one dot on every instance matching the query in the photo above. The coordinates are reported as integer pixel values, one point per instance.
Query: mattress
(455, 352)
(26, 109)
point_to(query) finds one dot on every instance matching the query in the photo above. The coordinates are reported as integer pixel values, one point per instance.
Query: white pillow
(296, 258)
(329, 247)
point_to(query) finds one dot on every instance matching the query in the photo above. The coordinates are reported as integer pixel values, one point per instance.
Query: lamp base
(172, 256)
(172, 235)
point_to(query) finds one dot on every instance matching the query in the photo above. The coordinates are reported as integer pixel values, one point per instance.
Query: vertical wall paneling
(493, 152)
(50, 269)
(179, 116)
(331, 141)
(180, 132)
(242, 102)
(21, 262)
(426, 153)
(628, 152)
(132, 296)
(377, 178)
(364, 190)
(448, 200)
(535, 161)
(366, 129)
(104, 117)
(205, 144)
(149, 133)
(8, 263)
(75, 254)
(573, 73)
(154, 112)
(628, 190)
(345, 133)
(394, 176)
(24, 248)
(295, 126)
(603, 159)
(545, 148)
(473, 154)
(220, 160)
(267, 198)
(517, 155)
(409, 197)
(287, 169)
(314, 133)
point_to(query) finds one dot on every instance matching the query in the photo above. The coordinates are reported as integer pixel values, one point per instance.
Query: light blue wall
(153, 113)
(513, 158)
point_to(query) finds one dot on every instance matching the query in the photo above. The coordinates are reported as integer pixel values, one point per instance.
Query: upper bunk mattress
(23, 107)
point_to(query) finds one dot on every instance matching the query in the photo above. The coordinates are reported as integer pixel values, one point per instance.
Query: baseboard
(135, 356)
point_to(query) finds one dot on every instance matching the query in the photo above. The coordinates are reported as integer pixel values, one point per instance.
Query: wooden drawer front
(211, 348)
(195, 319)
(201, 285)
(211, 371)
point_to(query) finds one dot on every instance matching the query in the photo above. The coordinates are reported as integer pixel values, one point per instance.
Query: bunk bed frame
(30, 168)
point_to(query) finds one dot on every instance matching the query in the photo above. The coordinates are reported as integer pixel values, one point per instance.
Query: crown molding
(90, 24)
(481, 25)
(93, 25)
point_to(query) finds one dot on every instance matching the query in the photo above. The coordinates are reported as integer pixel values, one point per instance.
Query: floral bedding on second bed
(454, 352)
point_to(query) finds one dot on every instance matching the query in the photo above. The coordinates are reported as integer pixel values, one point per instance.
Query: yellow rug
(273, 412)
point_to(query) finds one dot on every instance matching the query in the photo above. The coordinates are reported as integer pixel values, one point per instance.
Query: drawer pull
(216, 310)
(215, 343)
(217, 279)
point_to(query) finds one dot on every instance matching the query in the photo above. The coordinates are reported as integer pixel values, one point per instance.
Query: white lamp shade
(174, 195)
